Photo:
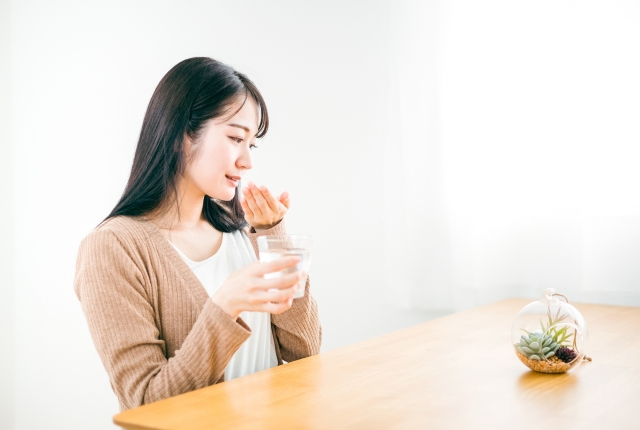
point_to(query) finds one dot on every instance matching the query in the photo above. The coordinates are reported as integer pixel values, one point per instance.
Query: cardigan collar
(191, 282)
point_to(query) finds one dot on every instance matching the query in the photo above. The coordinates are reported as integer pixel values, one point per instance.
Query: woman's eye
(253, 147)
(236, 139)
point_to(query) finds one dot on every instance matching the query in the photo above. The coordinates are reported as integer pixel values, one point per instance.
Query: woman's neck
(183, 224)
(185, 213)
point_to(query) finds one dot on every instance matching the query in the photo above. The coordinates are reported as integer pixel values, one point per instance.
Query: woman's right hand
(248, 290)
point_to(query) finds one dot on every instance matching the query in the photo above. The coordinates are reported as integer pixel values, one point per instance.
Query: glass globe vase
(550, 335)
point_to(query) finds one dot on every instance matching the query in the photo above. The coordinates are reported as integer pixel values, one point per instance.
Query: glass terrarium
(550, 335)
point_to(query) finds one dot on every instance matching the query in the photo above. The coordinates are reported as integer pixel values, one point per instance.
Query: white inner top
(258, 352)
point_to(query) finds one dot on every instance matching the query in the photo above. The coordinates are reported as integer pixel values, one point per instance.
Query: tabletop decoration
(550, 335)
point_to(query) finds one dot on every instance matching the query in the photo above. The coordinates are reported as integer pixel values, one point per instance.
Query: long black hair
(193, 92)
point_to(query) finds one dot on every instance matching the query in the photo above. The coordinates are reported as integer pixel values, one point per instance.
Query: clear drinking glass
(277, 246)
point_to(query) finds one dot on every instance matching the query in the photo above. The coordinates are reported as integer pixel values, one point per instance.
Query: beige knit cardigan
(156, 330)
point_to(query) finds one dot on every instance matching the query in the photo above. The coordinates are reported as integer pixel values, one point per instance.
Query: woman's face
(222, 154)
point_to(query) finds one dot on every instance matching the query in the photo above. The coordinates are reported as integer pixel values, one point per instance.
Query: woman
(174, 297)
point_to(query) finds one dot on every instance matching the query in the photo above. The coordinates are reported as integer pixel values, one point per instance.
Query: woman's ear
(187, 145)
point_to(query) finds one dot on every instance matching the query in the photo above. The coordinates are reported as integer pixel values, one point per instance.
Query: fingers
(274, 204)
(262, 199)
(247, 210)
(277, 296)
(251, 202)
(283, 282)
(284, 199)
(266, 203)
(278, 308)
(262, 269)
(248, 290)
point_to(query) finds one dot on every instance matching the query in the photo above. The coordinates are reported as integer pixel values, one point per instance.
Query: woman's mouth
(235, 180)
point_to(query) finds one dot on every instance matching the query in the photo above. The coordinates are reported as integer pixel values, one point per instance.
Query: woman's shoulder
(123, 224)
(124, 231)
(118, 250)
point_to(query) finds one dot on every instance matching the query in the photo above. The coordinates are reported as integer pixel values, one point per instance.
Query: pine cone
(566, 354)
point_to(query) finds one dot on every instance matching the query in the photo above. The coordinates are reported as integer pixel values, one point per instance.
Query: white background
(444, 155)
(517, 137)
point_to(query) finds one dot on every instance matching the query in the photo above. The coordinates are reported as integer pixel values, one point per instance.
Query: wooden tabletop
(459, 371)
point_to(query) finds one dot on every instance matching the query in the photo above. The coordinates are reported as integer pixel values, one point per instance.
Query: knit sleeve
(297, 330)
(110, 284)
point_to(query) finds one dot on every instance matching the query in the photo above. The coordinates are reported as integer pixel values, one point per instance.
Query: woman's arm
(125, 327)
(298, 330)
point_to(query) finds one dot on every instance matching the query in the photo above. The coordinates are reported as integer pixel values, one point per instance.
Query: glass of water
(278, 246)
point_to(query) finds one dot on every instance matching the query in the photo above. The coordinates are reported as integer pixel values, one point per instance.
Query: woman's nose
(244, 161)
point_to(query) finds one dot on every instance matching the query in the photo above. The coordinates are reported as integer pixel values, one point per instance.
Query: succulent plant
(559, 335)
(566, 354)
(536, 346)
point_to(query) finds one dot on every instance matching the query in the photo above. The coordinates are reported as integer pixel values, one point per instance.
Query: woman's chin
(223, 196)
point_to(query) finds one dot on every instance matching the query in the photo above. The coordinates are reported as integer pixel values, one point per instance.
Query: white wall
(514, 127)
(7, 291)
(416, 247)
(539, 107)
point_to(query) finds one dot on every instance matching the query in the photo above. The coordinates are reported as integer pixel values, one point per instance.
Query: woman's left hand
(261, 209)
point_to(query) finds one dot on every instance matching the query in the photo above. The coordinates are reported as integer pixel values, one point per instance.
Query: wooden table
(459, 371)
